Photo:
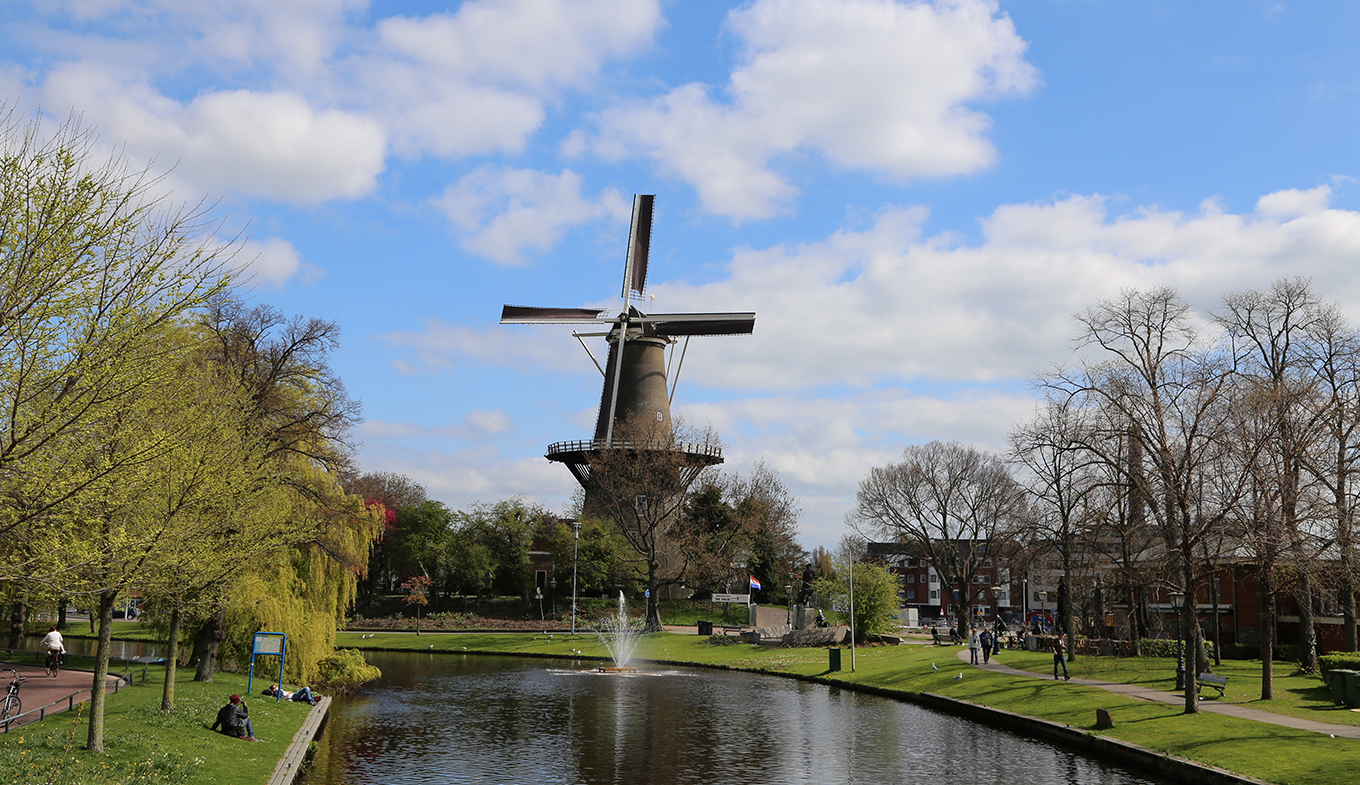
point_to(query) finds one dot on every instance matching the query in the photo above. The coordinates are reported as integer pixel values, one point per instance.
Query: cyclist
(56, 650)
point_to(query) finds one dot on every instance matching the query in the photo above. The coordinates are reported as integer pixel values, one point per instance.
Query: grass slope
(145, 745)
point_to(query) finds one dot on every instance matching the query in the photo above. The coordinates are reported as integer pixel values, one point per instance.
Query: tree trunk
(1348, 607)
(1267, 634)
(1135, 640)
(1218, 628)
(1307, 629)
(17, 616)
(95, 739)
(205, 645)
(653, 609)
(171, 659)
(61, 613)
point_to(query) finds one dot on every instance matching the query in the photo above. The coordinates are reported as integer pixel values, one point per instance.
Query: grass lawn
(144, 745)
(1269, 752)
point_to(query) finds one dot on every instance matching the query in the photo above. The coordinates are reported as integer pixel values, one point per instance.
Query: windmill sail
(639, 246)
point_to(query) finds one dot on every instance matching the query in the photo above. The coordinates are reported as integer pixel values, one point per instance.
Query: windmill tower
(635, 371)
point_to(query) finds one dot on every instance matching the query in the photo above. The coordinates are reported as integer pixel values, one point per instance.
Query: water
(117, 649)
(436, 718)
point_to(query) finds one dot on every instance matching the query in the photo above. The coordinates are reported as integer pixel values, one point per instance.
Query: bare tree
(640, 482)
(958, 505)
(1157, 375)
(1053, 449)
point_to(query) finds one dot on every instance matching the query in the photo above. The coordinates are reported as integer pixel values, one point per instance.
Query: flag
(755, 584)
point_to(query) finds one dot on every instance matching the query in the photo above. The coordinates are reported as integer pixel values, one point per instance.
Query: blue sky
(913, 197)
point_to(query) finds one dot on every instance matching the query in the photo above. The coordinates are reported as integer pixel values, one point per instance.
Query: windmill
(635, 371)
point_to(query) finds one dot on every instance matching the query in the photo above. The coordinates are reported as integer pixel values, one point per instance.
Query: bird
(464, 648)
(932, 667)
(431, 645)
(960, 676)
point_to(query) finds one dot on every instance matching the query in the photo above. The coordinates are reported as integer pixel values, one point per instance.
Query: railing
(689, 448)
(70, 700)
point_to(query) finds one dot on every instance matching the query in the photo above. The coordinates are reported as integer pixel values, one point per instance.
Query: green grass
(145, 745)
(1269, 752)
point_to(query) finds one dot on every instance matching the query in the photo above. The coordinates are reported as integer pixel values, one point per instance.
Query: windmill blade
(528, 314)
(674, 324)
(639, 246)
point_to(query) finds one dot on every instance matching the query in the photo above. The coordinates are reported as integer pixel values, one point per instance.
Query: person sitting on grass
(303, 695)
(234, 718)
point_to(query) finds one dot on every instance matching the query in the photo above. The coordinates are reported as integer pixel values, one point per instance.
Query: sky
(913, 197)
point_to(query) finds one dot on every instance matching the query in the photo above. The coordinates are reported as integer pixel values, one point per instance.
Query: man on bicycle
(56, 650)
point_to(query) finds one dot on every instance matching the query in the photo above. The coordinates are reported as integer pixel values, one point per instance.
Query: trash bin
(705, 628)
(1032, 642)
(835, 664)
(1351, 686)
(1336, 680)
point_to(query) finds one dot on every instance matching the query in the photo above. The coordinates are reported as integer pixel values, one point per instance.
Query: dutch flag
(755, 584)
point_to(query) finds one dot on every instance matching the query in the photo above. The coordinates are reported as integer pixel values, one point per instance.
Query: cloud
(307, 101)
(269, 144)
(1292, 203)
(504, 212)
(871, 85)
(274, 261)
(476, 80)
(889, 305)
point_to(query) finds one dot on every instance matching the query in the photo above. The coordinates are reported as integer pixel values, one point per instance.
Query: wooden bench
(728, 629)
(1210, 680)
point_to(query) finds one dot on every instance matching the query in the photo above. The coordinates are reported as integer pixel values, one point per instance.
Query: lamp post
(575, 548)
(1177, 601)
(552, 598)
(1043, 600)
(789, 590)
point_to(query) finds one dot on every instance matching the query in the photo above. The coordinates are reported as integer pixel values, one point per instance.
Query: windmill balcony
(563, 451)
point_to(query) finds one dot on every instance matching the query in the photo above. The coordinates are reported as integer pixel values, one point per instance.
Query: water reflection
(469, 719)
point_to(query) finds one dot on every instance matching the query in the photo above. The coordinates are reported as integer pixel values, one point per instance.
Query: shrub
(1241, 651)
(1341, 661)
(345, 670)
(1166, 647)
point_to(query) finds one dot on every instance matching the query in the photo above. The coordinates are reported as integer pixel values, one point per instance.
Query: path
(1176, 699)
(68, 687)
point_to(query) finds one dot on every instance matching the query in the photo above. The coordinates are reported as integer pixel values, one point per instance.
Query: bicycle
(55, 659)
(13, 706)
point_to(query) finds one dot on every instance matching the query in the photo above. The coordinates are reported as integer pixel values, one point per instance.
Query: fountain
(619, 634)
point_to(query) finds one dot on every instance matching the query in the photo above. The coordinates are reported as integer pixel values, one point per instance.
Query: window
(934, 594)
(911, 578)
(934, 578)
(911, 595)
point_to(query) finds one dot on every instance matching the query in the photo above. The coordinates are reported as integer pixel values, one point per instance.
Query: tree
(1060, 476)
(1155, 374)
(875, 599)
(641, 485)
(957, 505)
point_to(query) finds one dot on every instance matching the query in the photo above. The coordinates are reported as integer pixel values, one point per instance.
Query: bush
(1164, 647)
(345, 670)
(1342, 661)
(1241, 651)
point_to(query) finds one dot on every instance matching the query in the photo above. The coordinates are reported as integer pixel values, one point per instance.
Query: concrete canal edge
(1164, 765)
(290, 765)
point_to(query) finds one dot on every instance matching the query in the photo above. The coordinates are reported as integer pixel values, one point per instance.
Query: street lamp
(1043, 600)
(1177, 601)
(575, 548)
(552, 598)
(789, 590)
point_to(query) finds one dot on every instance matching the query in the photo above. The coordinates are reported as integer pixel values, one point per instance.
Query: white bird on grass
(960, 676)
(932, 667)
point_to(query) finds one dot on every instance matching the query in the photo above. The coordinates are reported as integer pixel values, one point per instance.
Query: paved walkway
(1176, 699)
(40, 690)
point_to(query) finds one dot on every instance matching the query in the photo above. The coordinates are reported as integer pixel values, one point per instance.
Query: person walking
(1060, 658)
(973, 644)
(986, 639)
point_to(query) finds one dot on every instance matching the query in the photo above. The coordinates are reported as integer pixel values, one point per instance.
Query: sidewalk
(1176, 699)
(40, 689)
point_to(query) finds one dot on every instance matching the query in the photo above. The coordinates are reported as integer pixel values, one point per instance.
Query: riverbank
(1289, 756)
(145, 745)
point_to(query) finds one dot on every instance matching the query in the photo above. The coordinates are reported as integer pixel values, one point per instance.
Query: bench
(728, 629)
(940, 641)
(1210, 680)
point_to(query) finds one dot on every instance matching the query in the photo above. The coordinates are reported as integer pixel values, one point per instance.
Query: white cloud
(504, 212)
(1292, 203)
(888, 305)
(873, 85)
(476, 80)
(273, 145)
(274, 261)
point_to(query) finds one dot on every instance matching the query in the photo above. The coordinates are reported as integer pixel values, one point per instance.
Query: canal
(442, 718)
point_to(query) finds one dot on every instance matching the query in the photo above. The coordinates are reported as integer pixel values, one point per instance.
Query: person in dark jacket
(234, 719)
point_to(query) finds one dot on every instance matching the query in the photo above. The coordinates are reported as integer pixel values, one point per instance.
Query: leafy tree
(875, 599)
